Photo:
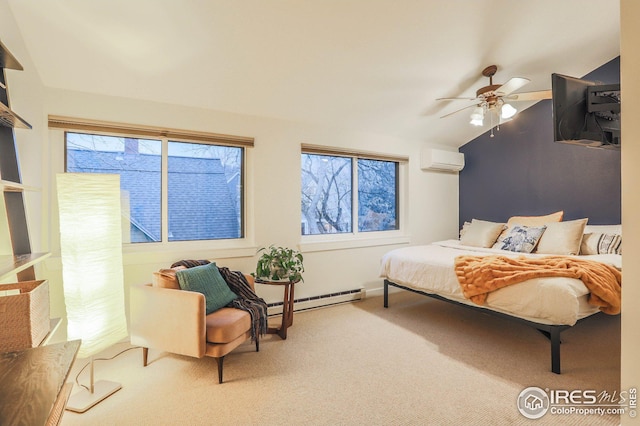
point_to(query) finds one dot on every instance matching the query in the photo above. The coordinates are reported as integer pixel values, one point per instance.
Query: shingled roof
(201, 203)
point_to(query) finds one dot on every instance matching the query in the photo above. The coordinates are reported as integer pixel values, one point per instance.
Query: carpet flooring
(419, 362)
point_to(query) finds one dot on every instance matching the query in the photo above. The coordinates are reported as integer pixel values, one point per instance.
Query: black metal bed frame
(552, 332)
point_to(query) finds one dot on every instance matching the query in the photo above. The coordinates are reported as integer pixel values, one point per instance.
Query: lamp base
(83, 400)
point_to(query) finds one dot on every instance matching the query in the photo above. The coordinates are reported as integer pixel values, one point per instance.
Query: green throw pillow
(206, 279)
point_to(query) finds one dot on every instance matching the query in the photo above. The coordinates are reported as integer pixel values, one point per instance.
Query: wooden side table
(287, 306)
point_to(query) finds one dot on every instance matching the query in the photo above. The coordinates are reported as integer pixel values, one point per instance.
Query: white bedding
(429, 268)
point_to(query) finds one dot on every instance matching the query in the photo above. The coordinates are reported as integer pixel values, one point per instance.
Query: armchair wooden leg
(145, 355)
(219, 362)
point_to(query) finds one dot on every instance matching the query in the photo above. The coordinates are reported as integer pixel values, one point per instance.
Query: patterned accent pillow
(597, 243)
(522, 239)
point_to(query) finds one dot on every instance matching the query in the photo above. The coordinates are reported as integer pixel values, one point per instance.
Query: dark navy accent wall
(521, 171)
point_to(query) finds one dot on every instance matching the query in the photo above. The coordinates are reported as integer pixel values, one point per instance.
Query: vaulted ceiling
(365, 65)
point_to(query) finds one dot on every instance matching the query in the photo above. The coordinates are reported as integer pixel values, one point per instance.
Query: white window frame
(355, 238)
(164, 251)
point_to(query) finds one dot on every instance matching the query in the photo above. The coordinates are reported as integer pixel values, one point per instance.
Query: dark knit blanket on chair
(247, 299)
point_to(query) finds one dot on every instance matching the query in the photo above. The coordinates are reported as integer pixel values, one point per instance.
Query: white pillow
(562, 237)
(481, 233)
(603, 229)
(464, 228)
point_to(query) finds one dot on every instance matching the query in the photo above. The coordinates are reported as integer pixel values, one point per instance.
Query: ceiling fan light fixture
(491, 99)
(507, 111)
(477, 116)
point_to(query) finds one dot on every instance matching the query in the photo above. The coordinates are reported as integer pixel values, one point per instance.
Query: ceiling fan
(492, 99)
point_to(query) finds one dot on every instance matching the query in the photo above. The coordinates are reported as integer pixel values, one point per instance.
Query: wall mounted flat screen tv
(585, 113)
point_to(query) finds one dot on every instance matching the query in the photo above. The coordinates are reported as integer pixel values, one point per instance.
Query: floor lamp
(92, 271)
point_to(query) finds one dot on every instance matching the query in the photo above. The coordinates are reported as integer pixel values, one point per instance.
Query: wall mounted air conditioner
(441, 160)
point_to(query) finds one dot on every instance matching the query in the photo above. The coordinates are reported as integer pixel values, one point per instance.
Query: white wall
(274, 170)
(629, 66)
(274, 166)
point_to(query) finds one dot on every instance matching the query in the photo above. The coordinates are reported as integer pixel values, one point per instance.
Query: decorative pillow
(603, 229)
(522, 239)
(562, 237)
(536, 220)
(528, 221)
(597, 243)
(464, 228)
(206, 279)
(481, 233)
(166, 278)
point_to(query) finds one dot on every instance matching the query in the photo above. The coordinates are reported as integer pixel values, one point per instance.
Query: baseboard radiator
(321, 301)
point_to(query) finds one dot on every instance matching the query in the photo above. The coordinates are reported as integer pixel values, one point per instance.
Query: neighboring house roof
(201, 203)
(200, 184)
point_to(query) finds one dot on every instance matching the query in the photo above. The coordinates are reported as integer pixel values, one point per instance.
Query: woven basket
(24, 317)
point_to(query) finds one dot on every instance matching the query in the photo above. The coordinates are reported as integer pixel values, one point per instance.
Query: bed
(549, 304)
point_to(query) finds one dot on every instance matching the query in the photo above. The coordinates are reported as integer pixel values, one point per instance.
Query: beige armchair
(166, 318)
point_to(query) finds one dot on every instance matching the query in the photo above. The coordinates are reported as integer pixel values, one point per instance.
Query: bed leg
(386, 294)
(554, 335)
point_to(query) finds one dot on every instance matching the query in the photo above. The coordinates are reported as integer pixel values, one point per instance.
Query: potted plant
(279, 264)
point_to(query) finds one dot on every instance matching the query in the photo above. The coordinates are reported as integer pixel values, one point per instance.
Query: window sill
(170, 256)
(314, 244)
(167, 252)
(144, 255)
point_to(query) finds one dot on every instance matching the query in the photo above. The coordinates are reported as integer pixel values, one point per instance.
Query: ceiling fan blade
(511, 86)
(530, 96)
(458, 110)
(456, 99)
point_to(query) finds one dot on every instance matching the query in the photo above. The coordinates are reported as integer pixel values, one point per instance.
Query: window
(377, 195)
(326, 194)
(205, 191)
(172, 190)
(138, 162)
(332, 184)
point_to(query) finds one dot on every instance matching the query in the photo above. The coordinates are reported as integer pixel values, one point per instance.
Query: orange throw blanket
(479, 275)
